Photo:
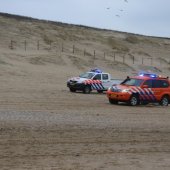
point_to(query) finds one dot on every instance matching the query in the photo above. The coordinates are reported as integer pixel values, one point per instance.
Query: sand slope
(45, 127)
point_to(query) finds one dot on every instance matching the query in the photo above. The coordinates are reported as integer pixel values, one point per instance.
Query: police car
(142, 89)
(95, 79)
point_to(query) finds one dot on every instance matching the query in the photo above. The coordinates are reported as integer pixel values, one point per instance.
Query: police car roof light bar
(96, 70)
(148, 75)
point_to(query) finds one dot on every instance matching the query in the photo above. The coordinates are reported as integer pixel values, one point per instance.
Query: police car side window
(105, 76)
(97, 77)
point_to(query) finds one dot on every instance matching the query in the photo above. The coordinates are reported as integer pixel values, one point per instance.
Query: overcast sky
(147, 17)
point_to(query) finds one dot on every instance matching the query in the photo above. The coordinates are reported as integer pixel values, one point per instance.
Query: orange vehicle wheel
(164, 101)
(113, 101)
(134, 100)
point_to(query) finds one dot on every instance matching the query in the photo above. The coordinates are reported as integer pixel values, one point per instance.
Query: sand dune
(45, 127)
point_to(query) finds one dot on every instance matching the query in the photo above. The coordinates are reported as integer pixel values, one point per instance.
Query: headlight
(109, 88)
(115, 89)
(125, 90)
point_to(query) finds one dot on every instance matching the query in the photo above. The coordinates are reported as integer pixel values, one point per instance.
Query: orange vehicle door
(151, 92)
(160, 88)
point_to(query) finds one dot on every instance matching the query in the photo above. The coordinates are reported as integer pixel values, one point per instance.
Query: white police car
(95, 79)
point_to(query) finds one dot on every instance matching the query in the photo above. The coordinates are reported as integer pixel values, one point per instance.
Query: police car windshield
(132, 82)
(87, 75)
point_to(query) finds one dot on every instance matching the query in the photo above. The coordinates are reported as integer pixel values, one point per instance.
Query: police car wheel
(72, 90)
(87, 90)
(164, 101)
(144, 103)
(113, 101)
(100, 91)
(134, 100)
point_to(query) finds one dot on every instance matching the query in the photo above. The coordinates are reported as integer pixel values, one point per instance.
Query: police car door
(97, 85)
(105, 81)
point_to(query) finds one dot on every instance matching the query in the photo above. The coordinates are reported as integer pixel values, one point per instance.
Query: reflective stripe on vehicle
(95, 84)
(145, 94)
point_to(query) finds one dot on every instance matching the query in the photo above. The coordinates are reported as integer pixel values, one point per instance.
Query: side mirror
(145, 86)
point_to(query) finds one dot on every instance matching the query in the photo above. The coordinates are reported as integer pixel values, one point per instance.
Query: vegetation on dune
(80, 45)
(117, 45)
(132, 39)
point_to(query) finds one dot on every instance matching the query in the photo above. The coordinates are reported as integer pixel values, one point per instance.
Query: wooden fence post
(50, 45)
(151, 62)
(25, 45)
(62, 48)
(133, 58)
(11, 45)
(114, 57)
(123, 59)
(84, 52)
(38, 45)
(73, 49)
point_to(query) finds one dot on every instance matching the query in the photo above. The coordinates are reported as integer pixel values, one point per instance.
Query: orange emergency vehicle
(142, 89)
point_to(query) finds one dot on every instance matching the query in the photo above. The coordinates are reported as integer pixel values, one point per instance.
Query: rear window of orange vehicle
(157, 83)
(160, 84)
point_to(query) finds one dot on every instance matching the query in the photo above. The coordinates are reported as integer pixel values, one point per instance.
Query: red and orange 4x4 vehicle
(142, 89)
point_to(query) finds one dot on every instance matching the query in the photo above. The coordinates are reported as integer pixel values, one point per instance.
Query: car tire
(100, 91)
(134, 100)
(113, 101)
(87, 90)
(72, 90)
(144, 103)
(164, 101)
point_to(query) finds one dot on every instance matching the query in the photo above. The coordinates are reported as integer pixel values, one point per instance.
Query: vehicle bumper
(117, 96)
(76, 86)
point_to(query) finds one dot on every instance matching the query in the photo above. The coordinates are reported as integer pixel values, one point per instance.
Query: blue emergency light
(141, 74)
(96, 70)
(152, 75)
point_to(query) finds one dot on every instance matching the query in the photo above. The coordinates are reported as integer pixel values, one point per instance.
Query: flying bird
(108, 8)
(117, 15)
(126, 1)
